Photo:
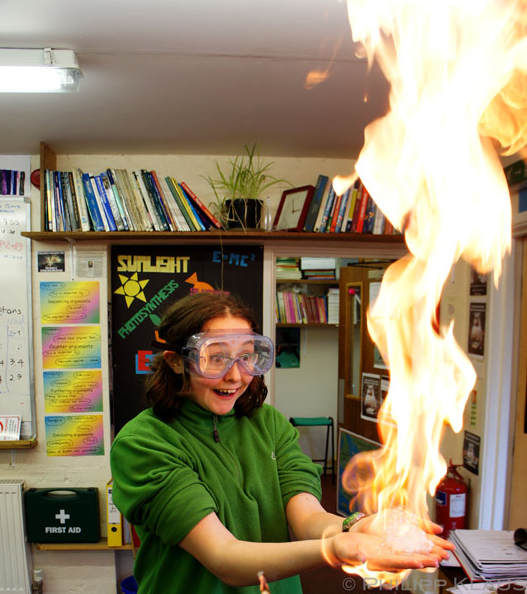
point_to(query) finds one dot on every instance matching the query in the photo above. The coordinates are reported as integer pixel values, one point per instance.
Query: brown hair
(165, 389)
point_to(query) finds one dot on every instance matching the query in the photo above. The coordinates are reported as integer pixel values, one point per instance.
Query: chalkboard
(16, 368)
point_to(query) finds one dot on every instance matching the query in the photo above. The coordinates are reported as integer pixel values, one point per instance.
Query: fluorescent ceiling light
(39, 71)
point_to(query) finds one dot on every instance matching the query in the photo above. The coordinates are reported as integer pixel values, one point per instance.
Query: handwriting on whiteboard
(14, 319)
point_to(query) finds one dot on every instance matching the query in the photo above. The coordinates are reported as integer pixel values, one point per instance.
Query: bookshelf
(309, 288)
(48, 160)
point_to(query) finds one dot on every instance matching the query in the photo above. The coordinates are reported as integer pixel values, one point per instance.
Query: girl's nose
(234, 374)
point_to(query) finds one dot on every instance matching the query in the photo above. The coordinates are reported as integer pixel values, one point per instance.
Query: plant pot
(244, 213)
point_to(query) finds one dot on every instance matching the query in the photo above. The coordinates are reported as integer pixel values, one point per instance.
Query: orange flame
(457, 70)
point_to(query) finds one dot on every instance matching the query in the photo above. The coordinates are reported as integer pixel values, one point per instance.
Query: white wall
(311, 389)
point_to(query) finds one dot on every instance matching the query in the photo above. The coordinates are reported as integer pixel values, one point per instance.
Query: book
(316, 202)
(378, 221)
(362, 209)
(353, 201)
(70, 204)
(369, 215)
(110, 197)
(335, 209)
(147, 200)
(156, 186)
(356, 211)
(76, 182)
(196, 222)
(49, 202)
(63, 223)
(343, 211)
(91, 202)
(327, 210)
(173, 187)
(158, 206)
(134, 199)
(177, 215)
(200, 204)
(202, 221)
(109, 181)
(106, 208)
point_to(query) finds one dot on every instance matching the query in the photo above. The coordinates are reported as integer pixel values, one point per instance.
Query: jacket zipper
(215, 428)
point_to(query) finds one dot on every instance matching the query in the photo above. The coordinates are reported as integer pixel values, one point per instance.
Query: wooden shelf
(230, 236)
(22, 444)
(306, 281)
(102, 545)
(285, 325)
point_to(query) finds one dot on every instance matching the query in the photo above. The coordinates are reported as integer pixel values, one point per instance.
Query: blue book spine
(63, 213)
(314, 207)
(91, 202)
(106, 204)
(327, 210)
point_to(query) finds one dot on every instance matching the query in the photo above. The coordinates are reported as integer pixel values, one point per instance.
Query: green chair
(320, 422)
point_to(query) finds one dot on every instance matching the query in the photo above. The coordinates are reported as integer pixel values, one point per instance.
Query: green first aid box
(62, 515)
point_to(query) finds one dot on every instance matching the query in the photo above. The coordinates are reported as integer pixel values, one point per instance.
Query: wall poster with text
(145, 280)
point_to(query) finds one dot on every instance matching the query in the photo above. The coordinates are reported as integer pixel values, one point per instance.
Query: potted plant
(239, 190)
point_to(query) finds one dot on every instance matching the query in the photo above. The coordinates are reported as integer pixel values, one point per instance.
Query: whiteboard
(16, 366)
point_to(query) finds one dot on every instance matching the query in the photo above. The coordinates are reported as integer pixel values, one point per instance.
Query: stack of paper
(489, 555)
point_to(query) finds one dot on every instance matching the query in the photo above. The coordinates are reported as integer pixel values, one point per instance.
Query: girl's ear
(174, 361)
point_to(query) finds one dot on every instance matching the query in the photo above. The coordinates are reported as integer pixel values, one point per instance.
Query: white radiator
(14, 552)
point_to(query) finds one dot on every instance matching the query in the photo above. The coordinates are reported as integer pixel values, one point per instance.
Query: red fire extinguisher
(451, 501)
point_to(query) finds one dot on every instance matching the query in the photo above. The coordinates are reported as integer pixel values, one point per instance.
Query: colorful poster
(69, 302)
(71, 347)
(145, 280)
(73, 391)
(74, 435)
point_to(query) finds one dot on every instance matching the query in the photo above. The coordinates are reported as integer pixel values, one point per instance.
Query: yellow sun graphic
(131, 288)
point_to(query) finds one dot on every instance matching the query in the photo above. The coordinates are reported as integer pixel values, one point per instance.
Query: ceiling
(193, 77)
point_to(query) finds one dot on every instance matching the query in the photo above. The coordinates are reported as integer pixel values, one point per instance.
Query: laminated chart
(74, 302)
(68, 391)
(74, 435)
(72, 368)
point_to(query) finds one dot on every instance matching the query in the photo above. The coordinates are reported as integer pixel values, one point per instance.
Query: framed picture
(293, 208)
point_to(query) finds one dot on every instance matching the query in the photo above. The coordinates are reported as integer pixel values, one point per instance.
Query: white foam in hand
(403, 534)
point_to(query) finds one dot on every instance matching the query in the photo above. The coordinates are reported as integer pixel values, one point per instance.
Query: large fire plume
(458, 98)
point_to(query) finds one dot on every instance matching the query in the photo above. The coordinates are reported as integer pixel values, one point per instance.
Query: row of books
(355, 211)
(12, 182)
(298, 308)
(120, 200)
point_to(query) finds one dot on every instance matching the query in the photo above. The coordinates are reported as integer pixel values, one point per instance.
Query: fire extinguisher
(451, 501)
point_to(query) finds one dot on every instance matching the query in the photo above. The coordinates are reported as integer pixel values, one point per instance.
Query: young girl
(213, 479)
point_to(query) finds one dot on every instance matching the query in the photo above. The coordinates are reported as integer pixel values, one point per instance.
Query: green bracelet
(352, 520)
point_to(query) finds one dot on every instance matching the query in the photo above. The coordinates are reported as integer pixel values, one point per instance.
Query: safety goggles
(212, 354)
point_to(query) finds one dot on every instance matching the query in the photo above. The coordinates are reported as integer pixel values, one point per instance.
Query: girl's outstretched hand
(367, 543)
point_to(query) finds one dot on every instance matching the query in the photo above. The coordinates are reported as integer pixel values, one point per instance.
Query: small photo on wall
(471, 446)
(370, 396)
(287, 348)
(478, 283)
(476, 329)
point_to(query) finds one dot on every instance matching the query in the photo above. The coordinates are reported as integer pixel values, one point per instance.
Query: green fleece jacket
(169, 476)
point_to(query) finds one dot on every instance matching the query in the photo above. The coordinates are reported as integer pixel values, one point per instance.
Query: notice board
(145, 280)
(16, 368)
